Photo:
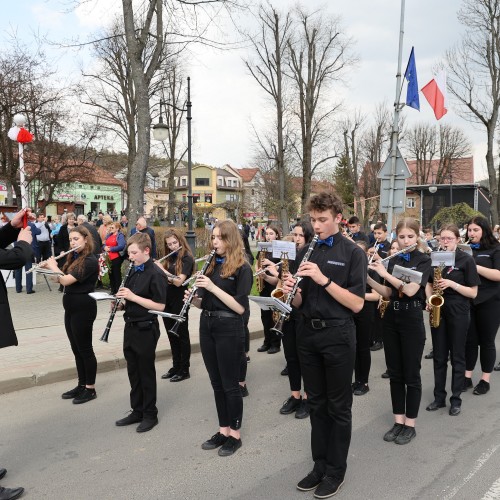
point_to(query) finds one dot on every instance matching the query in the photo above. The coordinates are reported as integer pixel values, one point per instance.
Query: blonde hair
(230, 235)
(412, 224)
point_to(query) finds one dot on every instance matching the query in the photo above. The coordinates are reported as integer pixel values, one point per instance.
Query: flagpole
(395, 124)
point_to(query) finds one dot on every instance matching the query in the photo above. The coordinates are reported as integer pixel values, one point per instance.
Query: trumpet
(61, 255)
(263, 270)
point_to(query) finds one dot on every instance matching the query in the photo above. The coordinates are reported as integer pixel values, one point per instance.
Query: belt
(399, 305)
(319, 324)
(220, 314)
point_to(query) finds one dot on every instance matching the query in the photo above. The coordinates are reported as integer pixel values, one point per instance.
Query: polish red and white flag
(435, 93)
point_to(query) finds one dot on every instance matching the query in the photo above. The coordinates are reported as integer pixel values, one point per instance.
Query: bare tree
(422, 145)
(453, 144)
(473, 69)
(268, 71)
(320, 55)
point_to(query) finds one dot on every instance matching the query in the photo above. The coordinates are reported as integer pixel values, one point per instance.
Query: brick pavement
(44, 356)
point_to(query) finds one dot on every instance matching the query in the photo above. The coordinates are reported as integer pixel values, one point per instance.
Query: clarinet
(189, 299)
(105, 335)
(278, 327)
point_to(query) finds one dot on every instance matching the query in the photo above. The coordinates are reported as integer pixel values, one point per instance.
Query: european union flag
(412, 98)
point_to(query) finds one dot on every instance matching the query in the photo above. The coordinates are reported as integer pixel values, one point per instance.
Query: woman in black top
(223, 295)
(458, 285)
(485, 320)
(404, 332)
(80, 276)
(180, 264)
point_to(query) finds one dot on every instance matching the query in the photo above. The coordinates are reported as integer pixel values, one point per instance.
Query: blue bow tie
(381, 245)
(328, 241)
(139, 269)
(220, 260)
(75, 255)
(405, 256)
(356, 235)
(475, 246)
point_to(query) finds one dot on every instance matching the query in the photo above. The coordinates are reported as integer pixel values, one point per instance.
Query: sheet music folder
(271, 303)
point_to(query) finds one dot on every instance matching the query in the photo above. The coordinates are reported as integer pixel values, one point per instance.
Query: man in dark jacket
(82, 221)
(13, 258)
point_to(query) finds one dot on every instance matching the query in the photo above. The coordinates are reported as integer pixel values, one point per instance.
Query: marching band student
(458, 285)
(80, 276)
(404, 332)
(354, 225)
(144, 290)
(223, 296)
(381, 241)
(303, 233)
(180, 264)
(485, 319)
(331, 290)
(270, 277)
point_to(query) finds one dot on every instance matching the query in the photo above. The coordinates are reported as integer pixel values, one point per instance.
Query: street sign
(399, 195)
(402, 170)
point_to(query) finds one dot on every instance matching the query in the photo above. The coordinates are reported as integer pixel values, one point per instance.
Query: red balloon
(24, 136)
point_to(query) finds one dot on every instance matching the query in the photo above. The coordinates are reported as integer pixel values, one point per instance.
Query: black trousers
(139, 348)
(181, 345)
(484, 323)
(115, 276)
(45, 248)
(222, 347)
(270, 338)
(449, 340)
(80, 312)
(404, 340)
(291, 353)
(327, 361)
(365, 324)
(378, 328)
(243, 360)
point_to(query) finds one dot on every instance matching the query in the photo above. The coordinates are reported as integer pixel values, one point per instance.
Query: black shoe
(30, 292)
(229, 447)
(133, 418)
(214, 442)
(455, 410)
(290, 405)
(284, 372)
(377, 346)
(85, 396)
(310, 482)
(263, 348)
(328, 487)
(302, 410)
(180, 377)
(169, 374)
(147, 424)
(406, 435)
(248, 359)
(244, 391)
(354, 386)
(497, 368)
(482, 388)
(435, 405)
(73, 393)
(430, 355)
(361, 390)
(385, 374)
(393, 433)
(2, 473)
(467, 384)
(273, 349)
(10, 493)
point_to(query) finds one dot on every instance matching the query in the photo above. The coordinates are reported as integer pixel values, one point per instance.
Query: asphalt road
(58, 450)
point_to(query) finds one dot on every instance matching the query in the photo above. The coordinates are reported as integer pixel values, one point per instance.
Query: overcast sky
(225, 98)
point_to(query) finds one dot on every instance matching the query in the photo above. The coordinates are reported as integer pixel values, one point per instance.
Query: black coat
(14, 258)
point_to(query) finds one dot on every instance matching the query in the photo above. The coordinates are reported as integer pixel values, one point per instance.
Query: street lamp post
(160, 133)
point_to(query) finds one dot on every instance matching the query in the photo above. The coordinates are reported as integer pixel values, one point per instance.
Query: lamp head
(432, 189)
(160, 131)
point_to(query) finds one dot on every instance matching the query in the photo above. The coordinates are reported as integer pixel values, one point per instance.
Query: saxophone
(436, 300)
(260, 277)
(278, 293)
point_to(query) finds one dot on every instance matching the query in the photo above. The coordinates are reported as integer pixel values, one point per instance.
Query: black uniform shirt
(86, 277)
(238, 286)
(383, 249)
(420, 262)
(346, 265)
(360, 236)
(489, 258)
(150, 284)
(175, 294)
(464, 272)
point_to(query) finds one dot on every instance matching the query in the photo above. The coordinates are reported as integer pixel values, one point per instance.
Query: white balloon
(13, 133)
(19, 120)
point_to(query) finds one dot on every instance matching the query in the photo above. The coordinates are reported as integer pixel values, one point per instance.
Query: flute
(167, 256)
(399, 252)
(105, 335)
(263, 270)
(375, 247)
(36, 266)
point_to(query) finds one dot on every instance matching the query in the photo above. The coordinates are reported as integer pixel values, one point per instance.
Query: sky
(227, 101)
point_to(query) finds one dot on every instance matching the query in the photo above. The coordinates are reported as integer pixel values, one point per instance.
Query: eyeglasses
(447, 238)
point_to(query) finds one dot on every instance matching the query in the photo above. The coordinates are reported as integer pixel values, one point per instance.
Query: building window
(208, 197)
(219, 181)
(202, 181)
(231, 197)
(253, 192)
(163, 184)
(183, 181)
(196, 197)
(410, 202)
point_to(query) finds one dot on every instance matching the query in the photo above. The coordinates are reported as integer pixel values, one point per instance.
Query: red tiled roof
(462, 171)
(247, 174)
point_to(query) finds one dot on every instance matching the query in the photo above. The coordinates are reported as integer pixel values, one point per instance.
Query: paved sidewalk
(44, 356)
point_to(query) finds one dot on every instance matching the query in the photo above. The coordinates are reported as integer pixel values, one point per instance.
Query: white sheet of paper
(443, 259)
(407, 275)
(102, 296)
(280, 247)
(270, 303)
